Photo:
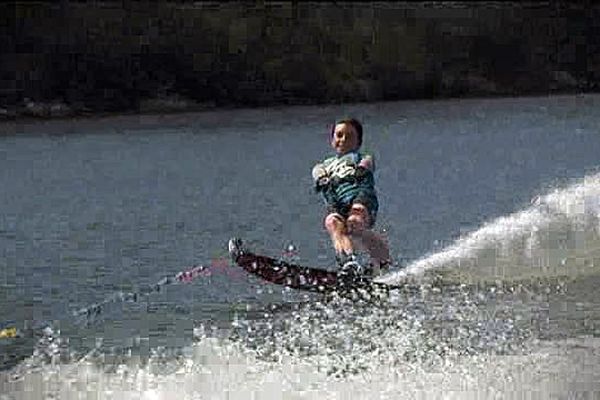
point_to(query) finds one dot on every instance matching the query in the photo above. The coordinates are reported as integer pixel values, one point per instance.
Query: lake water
(491, 208)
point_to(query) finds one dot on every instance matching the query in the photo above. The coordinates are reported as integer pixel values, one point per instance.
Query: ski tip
(235, 247)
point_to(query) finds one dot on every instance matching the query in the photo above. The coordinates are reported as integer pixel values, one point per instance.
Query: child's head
(346, 135)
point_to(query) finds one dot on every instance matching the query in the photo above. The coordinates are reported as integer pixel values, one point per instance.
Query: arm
(320, 177)
(365, 167)
(367, 163)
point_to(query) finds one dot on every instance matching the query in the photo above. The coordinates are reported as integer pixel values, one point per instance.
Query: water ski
(299, 277)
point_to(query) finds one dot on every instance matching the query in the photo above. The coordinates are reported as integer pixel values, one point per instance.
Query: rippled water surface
(491, 208)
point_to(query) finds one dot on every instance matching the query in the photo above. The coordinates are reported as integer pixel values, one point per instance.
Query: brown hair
(352, 122)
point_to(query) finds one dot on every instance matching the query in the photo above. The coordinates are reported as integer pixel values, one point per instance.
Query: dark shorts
(369, 201)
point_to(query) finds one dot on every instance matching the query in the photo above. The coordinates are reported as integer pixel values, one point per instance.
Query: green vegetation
(118, 56)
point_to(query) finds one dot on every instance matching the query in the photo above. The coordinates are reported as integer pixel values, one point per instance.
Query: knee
(334, 223)
(356, 223)
(359, 218)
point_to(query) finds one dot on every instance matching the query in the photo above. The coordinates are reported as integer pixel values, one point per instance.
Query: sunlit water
(491, 207)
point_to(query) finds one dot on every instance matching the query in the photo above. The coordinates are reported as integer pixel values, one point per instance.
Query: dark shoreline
(67, 59)
(176, 116)
(24, 115)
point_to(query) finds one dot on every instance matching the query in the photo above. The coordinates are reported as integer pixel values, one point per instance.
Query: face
(344, 139)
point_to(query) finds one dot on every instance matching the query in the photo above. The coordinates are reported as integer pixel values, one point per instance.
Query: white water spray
(559, 234)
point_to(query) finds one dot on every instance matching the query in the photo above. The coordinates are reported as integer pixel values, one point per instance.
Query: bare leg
(376, 246)
(371, 241)
(335, 225)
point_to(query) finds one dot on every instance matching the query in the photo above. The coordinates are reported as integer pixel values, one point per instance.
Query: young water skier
(347, 184)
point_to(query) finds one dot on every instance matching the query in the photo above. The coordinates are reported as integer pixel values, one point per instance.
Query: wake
(558, 235)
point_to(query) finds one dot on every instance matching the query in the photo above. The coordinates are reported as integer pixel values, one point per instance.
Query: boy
(347, 184)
